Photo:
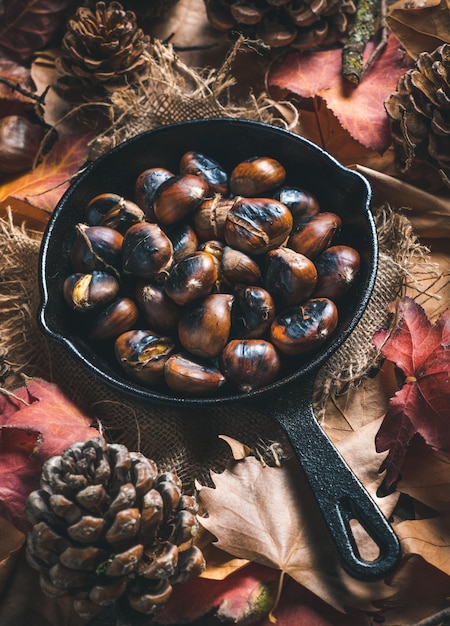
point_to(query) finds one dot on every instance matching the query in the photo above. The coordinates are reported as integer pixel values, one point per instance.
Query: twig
(362, 30)
(25, 92)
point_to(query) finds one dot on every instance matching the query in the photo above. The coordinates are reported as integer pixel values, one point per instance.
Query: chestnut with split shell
(288, 400)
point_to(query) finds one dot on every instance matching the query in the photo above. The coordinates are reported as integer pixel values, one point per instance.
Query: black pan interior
(338, 189)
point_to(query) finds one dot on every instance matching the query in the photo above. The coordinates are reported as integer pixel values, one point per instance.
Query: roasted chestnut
(214, 247)
(184, 240)
(146, 186)
(160, 311)
(256, 225)
(201, 165)
(192, 277)
(249, 364)
(238, 267)
(118, 317)
(147, 252)
(96, 248)
(302, 329)
(300, 202)
(123, 215)
(253, 311)
(209, 218)
(98, 207)
(256, 176)
(337, 268)
(290, 276)
(312, 235)
(178, 196)
(20, 141)
(204, 326)
(192, 377)
(142, 354)
(84, 292)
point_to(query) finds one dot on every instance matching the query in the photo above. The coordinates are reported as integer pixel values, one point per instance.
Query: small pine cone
(299, 24)
(109, 529)
(102, 50)
(419, 113)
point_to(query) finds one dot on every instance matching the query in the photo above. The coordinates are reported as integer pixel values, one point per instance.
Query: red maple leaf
(422, 406)
(37, 422)
(249, 592)
(359, 109)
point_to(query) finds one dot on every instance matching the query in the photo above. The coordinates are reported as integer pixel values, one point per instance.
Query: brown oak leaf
(43, 186)
(37, 422)
(359, 109)
(422, 406)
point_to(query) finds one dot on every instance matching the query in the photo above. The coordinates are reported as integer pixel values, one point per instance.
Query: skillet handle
(339, 494)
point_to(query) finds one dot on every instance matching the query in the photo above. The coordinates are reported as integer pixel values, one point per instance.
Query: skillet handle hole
(367, 547)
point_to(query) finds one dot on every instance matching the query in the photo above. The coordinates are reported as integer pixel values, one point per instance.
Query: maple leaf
(36, 422)
(359, 109)
(28, 25)
(43, 186)
(422, 405)
(268, 515)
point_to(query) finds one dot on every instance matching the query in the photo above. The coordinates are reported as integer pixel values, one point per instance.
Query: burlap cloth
(181, 439)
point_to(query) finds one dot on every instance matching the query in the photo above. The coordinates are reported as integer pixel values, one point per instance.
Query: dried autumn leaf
(28, 25)
(43, 186)
(11, 540)
(251, 590)
(426, 476)
(36, 422)
(421, 590)
(428, 538)
(268, 515)
(422, 406)
(360, 110)
(420, 26)
(428, 213)
(300, 607)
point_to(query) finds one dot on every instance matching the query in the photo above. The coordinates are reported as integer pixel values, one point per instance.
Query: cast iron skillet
(288, 401)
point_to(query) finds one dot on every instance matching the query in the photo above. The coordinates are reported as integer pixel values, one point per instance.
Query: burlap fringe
(175, 92)
(20, 341)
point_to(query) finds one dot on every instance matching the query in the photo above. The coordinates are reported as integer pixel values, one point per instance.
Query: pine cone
(419, 112)
(299, 24)
(109, 529)
(102, 50)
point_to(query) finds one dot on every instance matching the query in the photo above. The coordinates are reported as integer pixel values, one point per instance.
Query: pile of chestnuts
(208, 278)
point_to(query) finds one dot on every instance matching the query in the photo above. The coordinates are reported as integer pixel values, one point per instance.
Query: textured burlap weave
(181, 439)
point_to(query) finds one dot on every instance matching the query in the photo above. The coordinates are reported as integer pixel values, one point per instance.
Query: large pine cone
(299, 24)
(102, 50)
(419, 113)
(108, 528)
